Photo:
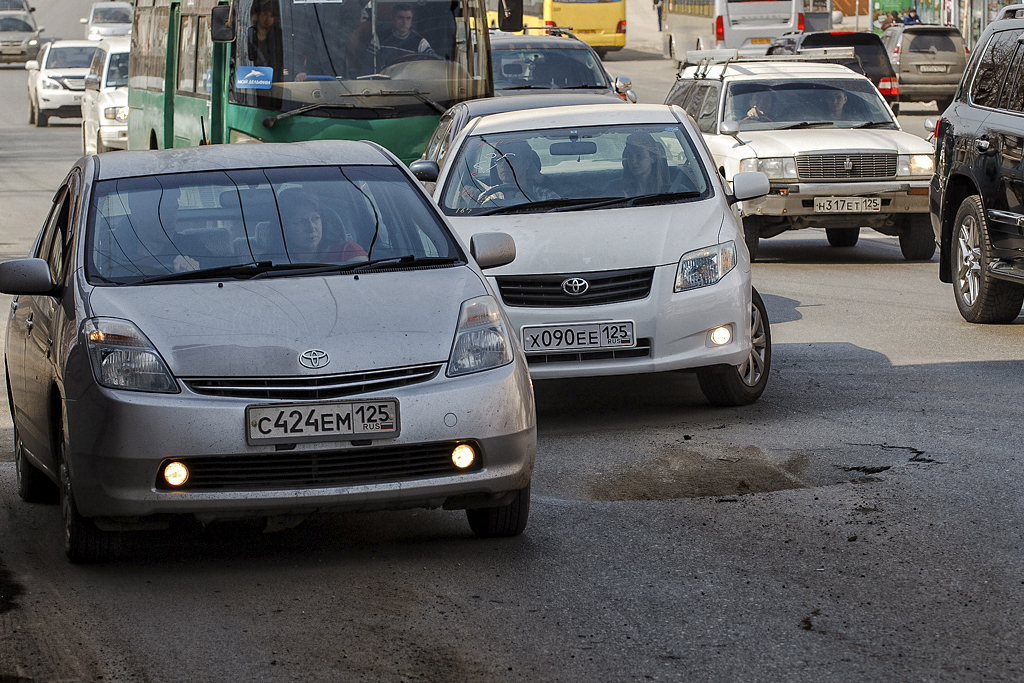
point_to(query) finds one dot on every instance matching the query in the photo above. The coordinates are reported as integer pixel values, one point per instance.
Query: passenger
(835, 104)
(644, 166)
(517, 176)
(304, 236)
(762, 106)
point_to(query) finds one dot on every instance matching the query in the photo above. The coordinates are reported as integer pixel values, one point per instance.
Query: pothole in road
(710, 471)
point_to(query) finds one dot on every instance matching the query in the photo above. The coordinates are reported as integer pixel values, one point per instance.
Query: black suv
(977, 192)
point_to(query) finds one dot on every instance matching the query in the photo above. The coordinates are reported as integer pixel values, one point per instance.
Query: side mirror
(510, 15)
(32, 65)
(623, 84)
(749, 186)
(83, 20)
(837, 17)
(92, 82)
(40, 29)
(489, 249)
(930, 123)
(630, 96)
(425, 170)
(26, 276)
(222, 24)
(731, 128)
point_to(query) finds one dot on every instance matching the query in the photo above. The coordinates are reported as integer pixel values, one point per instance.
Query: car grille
(604, 287)
(829, 166)
(319, 469)
(320, 386)
(73, 83)
(641, 350)
(10, 43)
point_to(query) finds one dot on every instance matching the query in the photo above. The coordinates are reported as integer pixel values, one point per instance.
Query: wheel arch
(958, 188)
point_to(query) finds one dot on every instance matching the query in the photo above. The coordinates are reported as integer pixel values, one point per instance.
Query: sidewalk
(642, 27)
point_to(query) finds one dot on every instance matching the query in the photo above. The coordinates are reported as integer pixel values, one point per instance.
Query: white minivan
(105, 100)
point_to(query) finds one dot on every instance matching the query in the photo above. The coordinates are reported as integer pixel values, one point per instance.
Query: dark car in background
(929, 61)
(870, 59)
(977, 192)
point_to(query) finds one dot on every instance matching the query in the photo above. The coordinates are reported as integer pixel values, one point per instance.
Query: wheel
(752, 235)
(602, 52)
(943, 103)
(501, 522)
(980, 297)
(83, 540)
(41, 118)
(895, 106)
(842, 237)
(31, 113)
(740, 385)
(492, 194)
(917, 241)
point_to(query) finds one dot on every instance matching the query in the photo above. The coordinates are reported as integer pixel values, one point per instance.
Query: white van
(105, 100)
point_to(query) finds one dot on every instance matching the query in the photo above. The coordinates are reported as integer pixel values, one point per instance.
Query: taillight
(800, 22)
(889, 86)
(621, 28)
(719, 29)
(967, 50)
(896, 50)
(550, 23)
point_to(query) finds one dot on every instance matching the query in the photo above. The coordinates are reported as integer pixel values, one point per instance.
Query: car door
(1004, 129)
(43, 321)
(90, 99)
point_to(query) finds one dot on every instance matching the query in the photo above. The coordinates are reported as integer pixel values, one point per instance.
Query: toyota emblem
(575, 286)
(313, 359)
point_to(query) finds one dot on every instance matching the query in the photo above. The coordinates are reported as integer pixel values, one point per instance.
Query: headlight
(481, 339)
(51, 85)
(33, 42)
(116, 113)
(915, 164)
(705, 267)
(777, 168)
(122, 357)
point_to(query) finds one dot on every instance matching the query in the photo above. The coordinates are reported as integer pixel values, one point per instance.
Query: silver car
(261, 331)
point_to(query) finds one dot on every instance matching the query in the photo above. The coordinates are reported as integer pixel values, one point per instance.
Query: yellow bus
(601, 23)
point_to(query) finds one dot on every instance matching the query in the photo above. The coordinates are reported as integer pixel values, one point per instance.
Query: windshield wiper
(408, 260)
(529, 87)
(586, 203)
(239, 271)
(806, 124)
(398, 93)
(872, 124)
(269, 121)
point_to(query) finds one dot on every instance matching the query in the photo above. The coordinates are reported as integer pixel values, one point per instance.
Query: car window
(780, 104)
(867, 47)
(440, 136)
(54, 245)
(154, 226)
(588, 162)
(547, 68)
(111, 15)
(932, 41)
(680, 92)
(96, 68)
(989, 77)
(1012, 98)
(69, 57)
(12, 5)
(15, 25)
(707, 114)
(117, 70)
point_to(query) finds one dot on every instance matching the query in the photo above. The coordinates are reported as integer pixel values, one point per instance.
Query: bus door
(750, 25)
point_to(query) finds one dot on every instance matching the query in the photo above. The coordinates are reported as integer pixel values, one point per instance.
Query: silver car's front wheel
(738, 385)
(980, 297)
(752, 370)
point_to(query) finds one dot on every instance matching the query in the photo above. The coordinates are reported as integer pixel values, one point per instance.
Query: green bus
(291, 70)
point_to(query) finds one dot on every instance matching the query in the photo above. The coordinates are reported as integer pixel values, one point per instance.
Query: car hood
(64, 73)
(787, 143)
(614, 238)
(259, 327)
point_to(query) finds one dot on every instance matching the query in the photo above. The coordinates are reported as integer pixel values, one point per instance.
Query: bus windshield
(359, 58)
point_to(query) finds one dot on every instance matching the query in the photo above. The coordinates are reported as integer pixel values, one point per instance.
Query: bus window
(187, 55)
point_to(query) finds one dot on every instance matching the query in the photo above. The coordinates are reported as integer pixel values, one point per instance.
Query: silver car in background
(261, 331)
(108, 19)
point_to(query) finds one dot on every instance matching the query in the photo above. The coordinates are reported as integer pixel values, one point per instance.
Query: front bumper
(788, 200)
(61, 103)
(117, 441)
(115, 136)
(927, 92)
(12, 55)
(675, 325)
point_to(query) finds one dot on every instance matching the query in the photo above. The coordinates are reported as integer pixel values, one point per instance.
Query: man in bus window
(401, 41)
(263, 38)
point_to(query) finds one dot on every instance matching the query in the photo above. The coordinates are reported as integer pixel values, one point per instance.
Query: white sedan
(630, 257)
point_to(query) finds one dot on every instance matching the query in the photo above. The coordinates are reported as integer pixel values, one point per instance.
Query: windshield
(117, 70)
(16, 25)
(360, 58)
(560, 168)
(111, 15)
(932, 41)
(871, 58)
(775, 105)
(13, 4)
(69, 57)
(546, 69)
(177, 226)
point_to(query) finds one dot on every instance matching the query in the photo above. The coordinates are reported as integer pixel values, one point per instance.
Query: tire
(895, 106)
(740, 385)
(31, 113)
(502, 522)
(917, 241)
(842, 237)
(752, 235)
(980, 297)
(41, 119)
(100, 147)
(601, 52)
(943, 103)
(84, 542)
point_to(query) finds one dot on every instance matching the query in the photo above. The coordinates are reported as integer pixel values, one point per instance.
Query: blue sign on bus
(254, 77)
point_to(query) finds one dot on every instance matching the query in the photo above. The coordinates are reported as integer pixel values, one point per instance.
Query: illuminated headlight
(915, 164)
(123, 358)
(33, 42)
(239, 136)
(175, 473)
(463, 456)
(116, 113)
(705, 267)
(776, 168)
(51, 85)
(482, 341)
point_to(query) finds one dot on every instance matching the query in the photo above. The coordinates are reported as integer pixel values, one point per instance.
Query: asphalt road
(861, 522)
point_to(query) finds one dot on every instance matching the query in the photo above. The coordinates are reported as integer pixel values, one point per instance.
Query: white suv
(56, 80)
(105, 101)
(835, 154)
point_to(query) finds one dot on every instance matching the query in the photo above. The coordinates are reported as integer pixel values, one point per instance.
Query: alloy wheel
(969, 260)
(753, 367)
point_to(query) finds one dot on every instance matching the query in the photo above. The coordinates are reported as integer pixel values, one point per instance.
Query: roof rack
(705, 59)
(552, 30)
(1011, 12)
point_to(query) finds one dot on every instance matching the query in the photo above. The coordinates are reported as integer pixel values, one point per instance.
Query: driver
(400, 41)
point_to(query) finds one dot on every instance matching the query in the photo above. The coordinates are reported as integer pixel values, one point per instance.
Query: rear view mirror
(492, 249)
(512, 69)
(572, 149)
(26, 276)
(749, 186)
(510, 15)
(32, 65)
(425, 170)
(222, 24)
(83, 20)
(92, 82)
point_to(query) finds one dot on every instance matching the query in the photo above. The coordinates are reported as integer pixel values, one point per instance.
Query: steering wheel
(415, 57)
(492, 194)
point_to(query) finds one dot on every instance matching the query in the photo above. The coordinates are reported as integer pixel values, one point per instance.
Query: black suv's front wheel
(980, 297)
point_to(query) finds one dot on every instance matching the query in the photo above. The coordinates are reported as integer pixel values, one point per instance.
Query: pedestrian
(911, 18)
(657, 10)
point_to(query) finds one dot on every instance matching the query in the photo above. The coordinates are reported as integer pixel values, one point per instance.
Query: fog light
(721, 335)
(463, 456)
(175, 474)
